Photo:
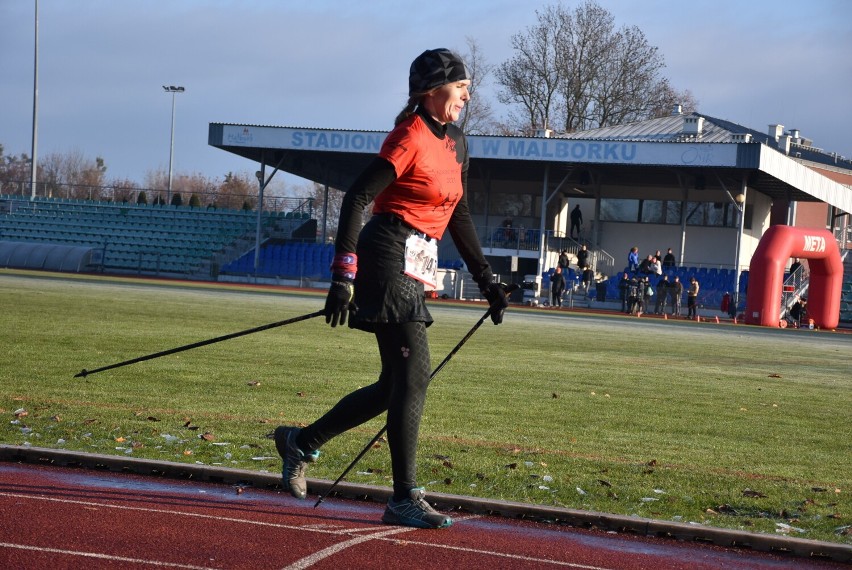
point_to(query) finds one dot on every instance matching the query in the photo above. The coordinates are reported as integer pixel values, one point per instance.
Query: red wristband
(345, 265)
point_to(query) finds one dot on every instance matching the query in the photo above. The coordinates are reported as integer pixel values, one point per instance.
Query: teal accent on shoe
(414, 511)
(294, 460)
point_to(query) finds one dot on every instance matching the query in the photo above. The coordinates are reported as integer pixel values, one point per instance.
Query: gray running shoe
(415, 511)
(295, 461)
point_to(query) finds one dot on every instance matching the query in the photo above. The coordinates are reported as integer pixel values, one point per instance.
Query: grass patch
(730, 426)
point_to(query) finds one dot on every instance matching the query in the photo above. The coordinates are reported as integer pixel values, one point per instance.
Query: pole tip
(319, 501)
(82, 373)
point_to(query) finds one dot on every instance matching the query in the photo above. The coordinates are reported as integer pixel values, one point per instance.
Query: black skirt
(383, 293)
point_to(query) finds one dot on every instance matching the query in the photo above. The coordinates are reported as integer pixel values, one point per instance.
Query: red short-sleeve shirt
(428, 181)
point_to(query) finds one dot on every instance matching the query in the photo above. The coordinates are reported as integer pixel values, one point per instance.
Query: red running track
(62, 517)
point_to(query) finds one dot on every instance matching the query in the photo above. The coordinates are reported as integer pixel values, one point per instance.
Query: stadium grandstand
(707, 188)
(140, 239)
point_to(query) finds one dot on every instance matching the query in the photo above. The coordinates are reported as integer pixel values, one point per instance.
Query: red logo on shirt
(451, 144)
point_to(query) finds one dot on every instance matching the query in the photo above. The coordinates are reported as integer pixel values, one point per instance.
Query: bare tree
(234, 191)
(14, 172)
(573, 70)
(156, 182)
(335, 203)
(72, 175)
(666, 99)
(531, 79)
(582, 39)
(477, 116)
(625, 87)
(237, 191)
(123, 190)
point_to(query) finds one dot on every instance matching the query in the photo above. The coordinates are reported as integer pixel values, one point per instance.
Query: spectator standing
(669, 260)
(675, 295)
(797, 312)
(634, 295)
(576, 221)
(583, 258)
(557, 287)
(795, 265)
(623, 287)
(563, 262)
(588, 278)
(633, 259)
(662, 293)
(656, 267)
(692, 298)
(647, 295)
(646, 266)
(508, 231)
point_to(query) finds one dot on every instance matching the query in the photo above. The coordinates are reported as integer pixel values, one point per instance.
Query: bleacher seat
(140, 237)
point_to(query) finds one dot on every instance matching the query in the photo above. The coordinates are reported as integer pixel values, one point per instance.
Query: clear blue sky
(343, 64)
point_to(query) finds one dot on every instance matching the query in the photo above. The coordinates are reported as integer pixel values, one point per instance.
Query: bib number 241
(421, 260)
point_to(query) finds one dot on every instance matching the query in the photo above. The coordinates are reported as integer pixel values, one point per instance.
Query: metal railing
(793, 289)
(153, 197)
(529, 240)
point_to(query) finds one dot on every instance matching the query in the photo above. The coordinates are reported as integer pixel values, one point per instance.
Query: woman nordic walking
(418, 185)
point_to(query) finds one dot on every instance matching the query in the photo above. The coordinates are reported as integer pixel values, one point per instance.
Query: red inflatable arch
(766, 275)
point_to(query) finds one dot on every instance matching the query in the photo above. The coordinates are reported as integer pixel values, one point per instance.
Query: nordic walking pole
(85, 372)
(447, 358)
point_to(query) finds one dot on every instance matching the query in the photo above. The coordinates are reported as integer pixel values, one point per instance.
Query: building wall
(711, 247)
(811, 215)
(702, 246)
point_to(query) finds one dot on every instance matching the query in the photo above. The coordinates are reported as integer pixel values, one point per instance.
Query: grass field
(728, 426)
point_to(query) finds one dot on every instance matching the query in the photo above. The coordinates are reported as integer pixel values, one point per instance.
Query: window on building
(713, 214)
(708, 214)
(617, 210)
(660, 211)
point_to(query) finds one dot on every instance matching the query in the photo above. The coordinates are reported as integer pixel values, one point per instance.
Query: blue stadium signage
(510, 148)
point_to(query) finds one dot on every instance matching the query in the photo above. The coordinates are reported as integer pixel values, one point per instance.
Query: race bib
(421, 260)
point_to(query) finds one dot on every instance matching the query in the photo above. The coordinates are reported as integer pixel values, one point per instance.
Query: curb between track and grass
(794, 547)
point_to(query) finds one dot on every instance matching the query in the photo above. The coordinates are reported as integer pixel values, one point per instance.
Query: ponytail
(408, 110)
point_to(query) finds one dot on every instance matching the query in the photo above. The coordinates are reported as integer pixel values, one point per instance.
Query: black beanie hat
(433, 68)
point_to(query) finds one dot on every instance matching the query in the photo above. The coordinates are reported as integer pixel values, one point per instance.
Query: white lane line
(108, 557)
(314, 528)
(169, 512)
(519, 557)
(321, 555)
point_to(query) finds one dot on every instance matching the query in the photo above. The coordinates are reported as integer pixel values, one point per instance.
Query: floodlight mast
(739, 202)
(173, 90)
(34, 162)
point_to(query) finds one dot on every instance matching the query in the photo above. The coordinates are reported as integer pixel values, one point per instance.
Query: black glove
(338, 303)
(495, 294)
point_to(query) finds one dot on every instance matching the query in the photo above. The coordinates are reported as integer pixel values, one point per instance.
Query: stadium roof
(681, 150)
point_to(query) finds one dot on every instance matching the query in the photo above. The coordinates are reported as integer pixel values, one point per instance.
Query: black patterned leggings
(400, 389)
